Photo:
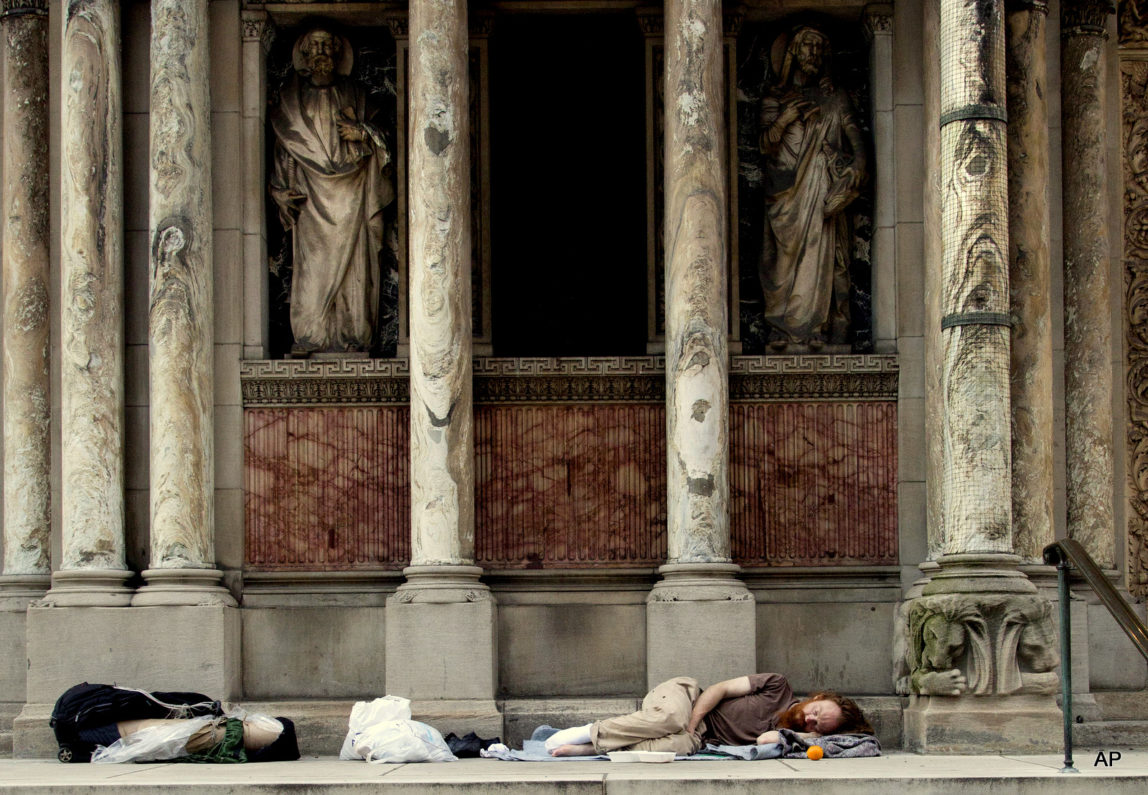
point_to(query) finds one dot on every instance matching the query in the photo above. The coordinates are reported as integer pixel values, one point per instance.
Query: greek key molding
(592, 379)
(1134, 83)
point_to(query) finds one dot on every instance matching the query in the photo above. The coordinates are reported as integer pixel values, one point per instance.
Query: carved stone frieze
(15, 8)
(978, 644)
(1133, 23)
(1134, 82)
(567, 380)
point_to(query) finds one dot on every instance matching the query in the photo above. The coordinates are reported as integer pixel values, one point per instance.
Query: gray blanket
(835, 746)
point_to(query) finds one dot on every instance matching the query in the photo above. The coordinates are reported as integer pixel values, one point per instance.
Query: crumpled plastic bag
(153, 744)
(382, 731)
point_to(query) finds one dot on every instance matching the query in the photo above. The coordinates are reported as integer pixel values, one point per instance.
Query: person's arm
(774, 736)
(714, 695)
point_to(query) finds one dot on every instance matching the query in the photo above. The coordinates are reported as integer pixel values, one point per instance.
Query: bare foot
(581, 749)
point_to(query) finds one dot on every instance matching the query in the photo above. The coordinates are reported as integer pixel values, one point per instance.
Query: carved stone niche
(978, 644)
(804, 143)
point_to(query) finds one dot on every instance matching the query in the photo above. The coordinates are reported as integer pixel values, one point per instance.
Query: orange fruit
(815, 752)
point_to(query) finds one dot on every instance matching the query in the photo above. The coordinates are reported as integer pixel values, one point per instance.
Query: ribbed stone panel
(180, 324)
(696, 217)
(442, 452)
(25, 238)
(91, 289)
(974, 344)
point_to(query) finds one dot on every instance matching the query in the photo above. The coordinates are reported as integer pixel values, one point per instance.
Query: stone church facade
(516, 357)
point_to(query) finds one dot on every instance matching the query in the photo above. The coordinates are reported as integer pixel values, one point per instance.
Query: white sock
(575, 735)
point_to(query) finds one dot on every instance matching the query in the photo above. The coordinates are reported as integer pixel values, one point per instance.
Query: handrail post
(1065, 661)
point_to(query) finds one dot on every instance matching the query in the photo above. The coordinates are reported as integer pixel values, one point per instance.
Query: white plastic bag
(402, 741)
(369, 713)
(152, 744)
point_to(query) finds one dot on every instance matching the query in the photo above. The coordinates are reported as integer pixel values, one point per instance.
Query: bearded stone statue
(331, 182)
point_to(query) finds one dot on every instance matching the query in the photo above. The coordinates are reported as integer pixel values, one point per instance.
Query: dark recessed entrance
(568, 221)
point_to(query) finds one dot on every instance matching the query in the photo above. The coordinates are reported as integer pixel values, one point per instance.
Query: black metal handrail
(1067, 554)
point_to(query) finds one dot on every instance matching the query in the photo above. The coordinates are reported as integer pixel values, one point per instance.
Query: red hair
(853, 721)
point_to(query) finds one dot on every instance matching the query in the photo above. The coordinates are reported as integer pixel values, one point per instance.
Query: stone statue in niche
(980, 644)
(813, 164)
(331, 182)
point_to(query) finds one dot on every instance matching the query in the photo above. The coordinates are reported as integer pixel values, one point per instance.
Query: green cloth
(229, 749)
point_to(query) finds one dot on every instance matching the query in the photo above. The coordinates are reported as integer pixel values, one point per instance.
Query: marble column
(180, 324)
(24, 187)
(682, 623)
(441, 621)
(92, 570)
(933, 247)
(258, 33)
(1087, 313)
(963, 634)
(1029, 279)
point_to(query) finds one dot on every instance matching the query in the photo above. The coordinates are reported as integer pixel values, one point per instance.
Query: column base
(442, 636)
(175, 587)
(701, 622)
(983, 725)
(89, 588)
(17, 591)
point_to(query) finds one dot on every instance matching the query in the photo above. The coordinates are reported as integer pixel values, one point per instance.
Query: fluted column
(699, 571)
(24, 201)
(180, 320)
(1029, 279)
(92, 570)
(1087, 318)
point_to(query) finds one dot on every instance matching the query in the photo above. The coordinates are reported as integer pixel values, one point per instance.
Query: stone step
(1110, 735)
(1123, 705)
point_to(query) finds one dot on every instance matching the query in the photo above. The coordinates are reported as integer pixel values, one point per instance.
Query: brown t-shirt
(739, 720)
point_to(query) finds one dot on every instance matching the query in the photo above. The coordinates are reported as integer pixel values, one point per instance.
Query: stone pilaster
(26, 571)
(92, 570)
(440, 622)
(258, 33)
(1029, 279)
(180, 324)
(933, 252)
(699, 616)
(979, 629)
(1087, 319)
(878, 21)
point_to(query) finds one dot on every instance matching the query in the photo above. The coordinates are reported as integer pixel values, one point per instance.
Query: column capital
(652, 21)
(258, 26)
(878, 20)
(20, 8)
(1085, 18)
(480, 23)
(732, 19)
(1038, 6)
(398, 25)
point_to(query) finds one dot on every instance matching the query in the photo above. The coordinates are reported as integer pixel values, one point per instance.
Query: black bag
(85, 715)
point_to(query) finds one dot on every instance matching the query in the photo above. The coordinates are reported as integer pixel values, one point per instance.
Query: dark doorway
(568, 221)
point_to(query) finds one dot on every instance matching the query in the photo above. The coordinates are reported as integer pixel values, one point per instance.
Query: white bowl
(641, 756)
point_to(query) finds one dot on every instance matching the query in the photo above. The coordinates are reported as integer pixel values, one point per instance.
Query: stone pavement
(896, 771)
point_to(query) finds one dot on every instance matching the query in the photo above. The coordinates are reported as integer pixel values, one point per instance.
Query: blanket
(791, 746)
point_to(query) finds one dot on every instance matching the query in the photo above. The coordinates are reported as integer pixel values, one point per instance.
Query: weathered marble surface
(814, 483)
(442, 453)
(696, 217)
(934, 255)
(91, 289)
(327, 489)
(1087, 323)
(568, 486)
(180, 323)
(1029, 281)
(974, 350)
(25, 236)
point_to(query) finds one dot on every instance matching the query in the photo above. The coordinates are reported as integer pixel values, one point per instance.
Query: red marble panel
(327, 489)
(570, 485)
(813, 484)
